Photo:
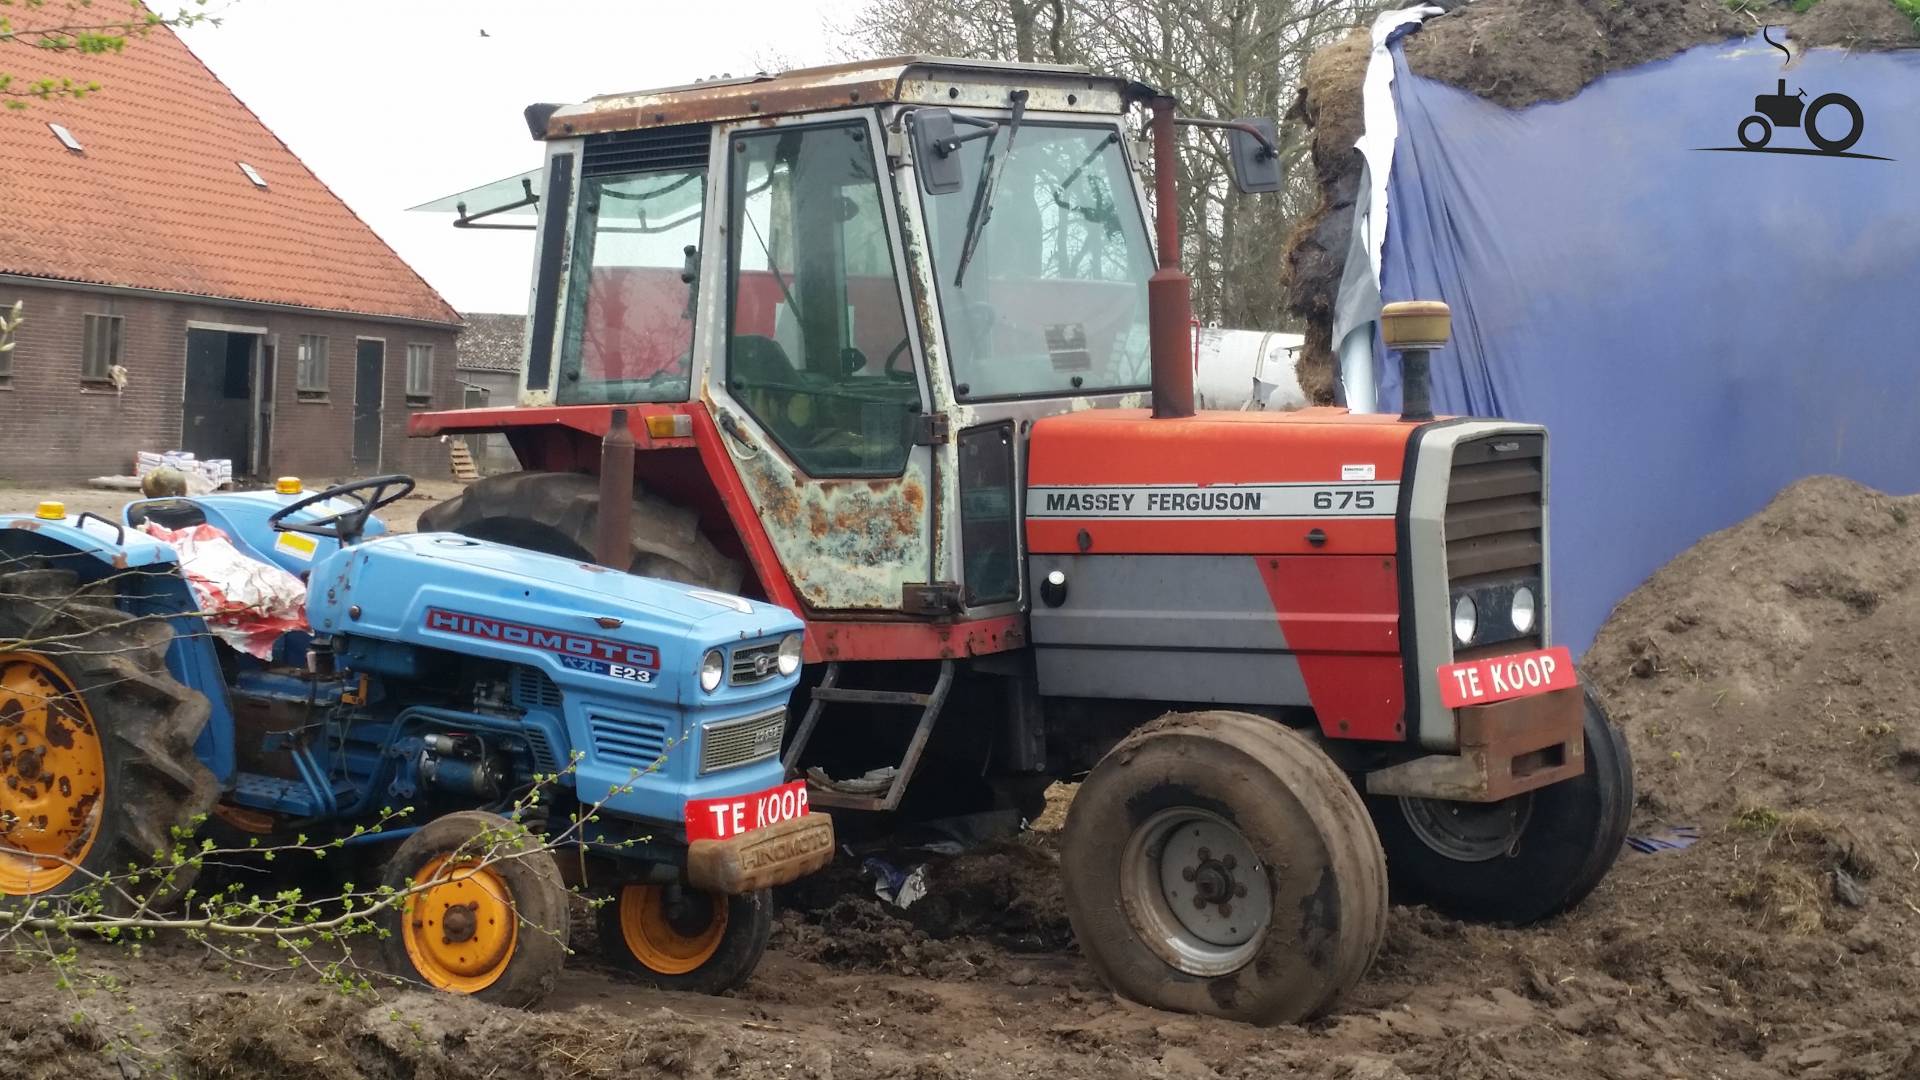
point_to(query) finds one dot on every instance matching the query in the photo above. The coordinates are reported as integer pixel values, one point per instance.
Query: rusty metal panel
(845, 545)
(1506, 749)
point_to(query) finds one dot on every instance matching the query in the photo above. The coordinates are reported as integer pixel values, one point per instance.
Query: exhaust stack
(1169, 290)
(1414, 328)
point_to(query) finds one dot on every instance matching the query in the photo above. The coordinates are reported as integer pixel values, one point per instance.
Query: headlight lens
(1522, 609)
(713, 667)
(1465, 619)
(790, 654)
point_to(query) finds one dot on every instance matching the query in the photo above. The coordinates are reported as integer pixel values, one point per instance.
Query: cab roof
(919, 80)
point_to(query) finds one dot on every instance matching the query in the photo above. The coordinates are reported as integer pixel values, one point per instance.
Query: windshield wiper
(990, 166)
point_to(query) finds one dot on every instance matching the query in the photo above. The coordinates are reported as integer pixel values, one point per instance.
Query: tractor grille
(753, 664)
(742, 742)
(628, 740)
(1495, 535)
(533, 690)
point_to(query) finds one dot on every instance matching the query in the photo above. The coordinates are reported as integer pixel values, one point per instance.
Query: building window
(311, 376)
(419, 372)
(102, 351)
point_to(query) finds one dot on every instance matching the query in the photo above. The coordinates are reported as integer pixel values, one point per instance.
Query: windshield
(630, 300)
(1054, 299)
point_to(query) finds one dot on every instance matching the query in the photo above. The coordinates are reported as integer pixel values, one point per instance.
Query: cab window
(818, 347)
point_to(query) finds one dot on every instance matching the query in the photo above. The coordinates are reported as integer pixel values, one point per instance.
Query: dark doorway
(217, 409)
(369, 382)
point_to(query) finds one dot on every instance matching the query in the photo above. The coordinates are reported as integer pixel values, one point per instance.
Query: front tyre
(1519, 860)
(1219, 863)
(484, 914)
(678, 938)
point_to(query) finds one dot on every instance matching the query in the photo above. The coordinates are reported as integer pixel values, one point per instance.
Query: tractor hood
(390, 587)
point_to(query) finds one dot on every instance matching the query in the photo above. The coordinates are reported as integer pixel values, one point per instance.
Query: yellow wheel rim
(667, 941)
(460, 932)
(53, 776)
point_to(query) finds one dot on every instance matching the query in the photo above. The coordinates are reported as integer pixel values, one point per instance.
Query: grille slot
(744, 666)
(651, 150)
(627, 740)
(532, 689)
(742, 742)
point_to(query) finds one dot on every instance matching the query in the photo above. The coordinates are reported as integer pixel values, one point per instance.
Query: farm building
(188, 284)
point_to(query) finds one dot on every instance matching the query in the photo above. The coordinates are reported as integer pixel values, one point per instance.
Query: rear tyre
(558, 513)
(1219, 863)
(1855, 121)
(677, 938)
(488, 913)
(1520, 860)
(96, 748)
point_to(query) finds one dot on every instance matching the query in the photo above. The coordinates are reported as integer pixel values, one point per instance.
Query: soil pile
(1518, 53)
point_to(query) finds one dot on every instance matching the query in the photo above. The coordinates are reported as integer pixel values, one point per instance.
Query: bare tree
(1221, 58)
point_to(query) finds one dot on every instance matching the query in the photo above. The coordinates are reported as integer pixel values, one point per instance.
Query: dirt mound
(1518, 53)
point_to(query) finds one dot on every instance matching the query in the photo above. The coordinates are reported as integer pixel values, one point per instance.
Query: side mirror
(934, 157)
(1256, 165)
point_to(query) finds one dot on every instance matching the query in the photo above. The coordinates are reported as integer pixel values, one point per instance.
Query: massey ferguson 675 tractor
(888, 345)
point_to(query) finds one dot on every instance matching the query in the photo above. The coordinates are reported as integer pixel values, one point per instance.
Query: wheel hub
(1469, 832)
(461, 931)
(55, 776)
(1195, 892)
(671, 934)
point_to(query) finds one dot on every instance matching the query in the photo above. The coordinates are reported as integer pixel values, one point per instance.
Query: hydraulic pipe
(1169, 290)
(614, 540)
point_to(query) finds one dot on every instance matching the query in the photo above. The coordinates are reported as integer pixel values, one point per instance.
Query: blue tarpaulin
(1697, 327)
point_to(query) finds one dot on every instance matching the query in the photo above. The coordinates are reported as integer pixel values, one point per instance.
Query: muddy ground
(1765, 681)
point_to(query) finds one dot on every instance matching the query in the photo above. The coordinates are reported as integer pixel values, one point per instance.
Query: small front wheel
(679, 938)
(1522, 859)
(1219, 863)
(484, 914)
(1755, 131)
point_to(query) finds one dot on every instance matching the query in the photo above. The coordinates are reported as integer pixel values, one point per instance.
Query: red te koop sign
(1501, 678)
(726, 818)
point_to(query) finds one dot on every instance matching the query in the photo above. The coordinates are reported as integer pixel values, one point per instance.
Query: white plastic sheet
(247, 603)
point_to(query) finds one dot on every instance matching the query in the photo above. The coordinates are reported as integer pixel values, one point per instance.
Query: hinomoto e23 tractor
(893, 346)
(525, 706)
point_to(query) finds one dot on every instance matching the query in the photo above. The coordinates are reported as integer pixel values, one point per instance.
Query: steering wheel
(344, 525)
(894, 358)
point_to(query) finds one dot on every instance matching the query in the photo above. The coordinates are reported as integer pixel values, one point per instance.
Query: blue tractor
(438, 672)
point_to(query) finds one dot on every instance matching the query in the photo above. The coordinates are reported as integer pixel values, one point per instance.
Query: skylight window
(66, 138)
(253, 174)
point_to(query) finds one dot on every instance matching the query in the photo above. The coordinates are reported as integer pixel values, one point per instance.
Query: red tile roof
(157, 199)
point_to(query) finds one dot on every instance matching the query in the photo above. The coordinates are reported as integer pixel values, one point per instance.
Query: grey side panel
(1169, 627)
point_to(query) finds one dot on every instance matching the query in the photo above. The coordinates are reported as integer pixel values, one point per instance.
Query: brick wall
(54, 427)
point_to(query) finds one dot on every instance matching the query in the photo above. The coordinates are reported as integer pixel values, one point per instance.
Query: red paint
(1502, 678)
(726, 818)
(1127, 446)
(1341, 618)
(835, 639)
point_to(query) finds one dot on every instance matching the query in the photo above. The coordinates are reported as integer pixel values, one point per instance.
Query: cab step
(880, 789)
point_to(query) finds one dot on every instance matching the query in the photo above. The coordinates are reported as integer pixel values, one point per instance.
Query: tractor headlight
(713, 667)
(790, 654)
(1522, 611)
(1466, 619)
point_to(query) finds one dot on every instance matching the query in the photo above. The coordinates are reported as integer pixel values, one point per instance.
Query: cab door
(818, 391)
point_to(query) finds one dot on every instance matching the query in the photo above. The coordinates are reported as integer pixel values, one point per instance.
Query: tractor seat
(167, 513)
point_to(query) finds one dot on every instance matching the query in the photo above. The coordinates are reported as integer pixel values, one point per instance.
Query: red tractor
(892, 345)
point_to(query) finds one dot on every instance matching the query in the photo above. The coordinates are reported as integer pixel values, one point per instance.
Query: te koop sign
(1502, 678)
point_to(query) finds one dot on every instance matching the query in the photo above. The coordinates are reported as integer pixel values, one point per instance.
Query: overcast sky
(396, 102)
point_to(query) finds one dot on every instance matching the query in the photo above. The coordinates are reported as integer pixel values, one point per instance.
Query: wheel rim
(54, 776)
(460, 932)
(671, 937)
(1469, 832)
(1195, 892)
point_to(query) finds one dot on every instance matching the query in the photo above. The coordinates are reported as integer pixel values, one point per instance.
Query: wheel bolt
(1240, 890)
(1200, 902)
(1227, 862)
(1205, 854)
(1226, 909)
(1187, 874)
